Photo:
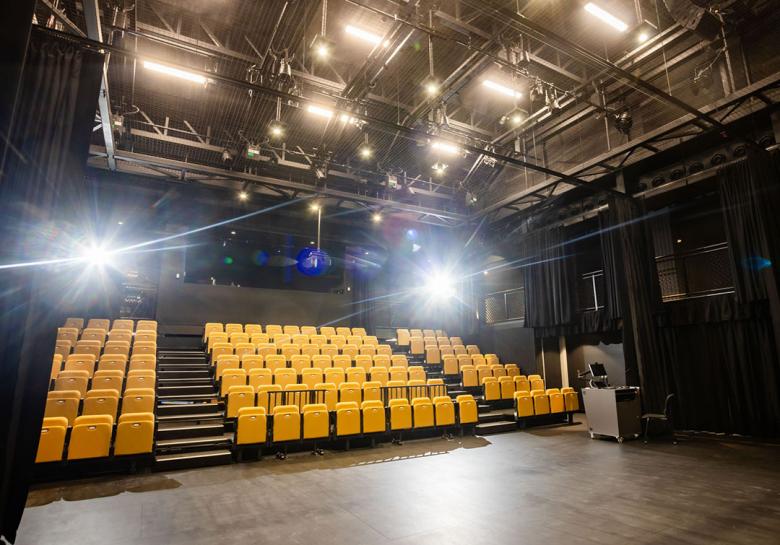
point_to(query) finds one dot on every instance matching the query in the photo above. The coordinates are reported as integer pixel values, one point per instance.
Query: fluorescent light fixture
(490, 84)
(605, 16)
(364, 35)
(319, 110)
(445, 147)
(175, 72)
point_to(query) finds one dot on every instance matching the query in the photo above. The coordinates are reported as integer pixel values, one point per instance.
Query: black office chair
(665, 417)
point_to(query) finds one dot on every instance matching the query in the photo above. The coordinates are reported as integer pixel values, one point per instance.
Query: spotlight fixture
(320, 111)
(658, 180)
(243, 196)
(376, 217)
(605, 16)
(276, 129)
(322, 47)
(95, 255)
(365, 35)
(431, 87)
(515, 118)
(227, 155)
(717, 159)
(536, 92)
(440, 286)
(677, 173)
(445, 147)
(314, 206)
(365, 152)
(623, 121)
(507, 91)
(439, 168)
(175, 72)
(642, 37)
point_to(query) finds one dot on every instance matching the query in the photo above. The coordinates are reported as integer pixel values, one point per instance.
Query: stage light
(366, 152)
(485, 273)
(431, 87)
(276, 129)
(320, 111)
(605, 16)
(642, 37)
(95, 256)
(243, 196)
(490, 84)
(376, 217)
(322, 51)
(439, 168)
(364, 35)
(446, 147)
(440, 286)
(232, 233)
(175, 72)
(120, 223)
(314, 206)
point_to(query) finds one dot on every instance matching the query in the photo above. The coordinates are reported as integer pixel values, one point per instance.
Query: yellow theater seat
(112, 362)
(422, 407)
(416, 346)
(287, 423)
(400, 414)
(446, 350)
(62, 348)
(372, 391)
(63, 403)
(138, 400)
(381, 360)
(93, 334)
(274, 362)
(522, 384)
(252, 361)
(342, 361)
(260, 338)
(512, 370)
(347, 418)
(360, 331)
(491, 389)
(216, 338)
(260, 377)
(310, 350)
(220, 349)
(416, 388)
(234, 328)
(541, 402)
(142, 378)
(269, 396)
(436, 387)
(108, 380)
(98, 402)
(296, 394)
(72, 380)
(467, 409)
(371, 339)
(318, 340)
(238, 397)
(225, 362)
(399, 373)
(144, 347)
(396, 389)
(468, 376)
(316, 421)
(380, 374)
(146, 325)
(134, 434)
(117, 347)
(231, 377)
(273, 329)
(385, 350)
(322, 361)
(442, 341)
(571, 400)
(253, 329)
(300, 362)
(77, 323)
(444, 410)
(415, 372)
(122, 335)
(90, 437)
(311, 377)
(300, 339)
(350, 350)
(363, 362)
(328, 394)
(416, 332)
(267, 349)
(80, 362)
(212, 327)
(334, 375)
(367, 350)
(146, 336)
(524, 404)
(432, 354)
(356, 375)
(350, 391)
(329, 350)
(289, 350)
(308, 330)
(459, 350)
(244, 349)
(56, 366)
(328, 331)
(123, 324)
(52, 441)
(402, 337)
(557, 404)
(99, 323)
(251, 426)
(477, 360)
(280, 339)
(357, 340)
(284, 377)
(463, 360)
(472, 349)
(449, 365)
(343, 331)
(507, 386)
(142, 361)
(291, 330)
(373, 416)
(497, 371)
(338, 340)
(491, 359)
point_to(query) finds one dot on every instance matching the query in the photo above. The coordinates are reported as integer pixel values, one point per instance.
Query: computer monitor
(597, 370)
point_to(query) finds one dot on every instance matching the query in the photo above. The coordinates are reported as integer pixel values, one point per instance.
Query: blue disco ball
(313, 262)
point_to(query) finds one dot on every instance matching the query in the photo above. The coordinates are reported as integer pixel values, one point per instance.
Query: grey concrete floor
(545, 486)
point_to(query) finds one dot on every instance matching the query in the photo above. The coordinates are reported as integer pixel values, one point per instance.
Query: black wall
(512, 343)
(582, 350)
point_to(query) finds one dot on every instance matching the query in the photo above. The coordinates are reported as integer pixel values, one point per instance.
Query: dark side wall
(584, 349)
(511, 342)
(182, 303)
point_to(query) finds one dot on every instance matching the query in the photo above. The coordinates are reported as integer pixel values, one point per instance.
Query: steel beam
(95, 32)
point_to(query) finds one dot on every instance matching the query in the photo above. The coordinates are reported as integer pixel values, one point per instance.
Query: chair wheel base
(281, 456)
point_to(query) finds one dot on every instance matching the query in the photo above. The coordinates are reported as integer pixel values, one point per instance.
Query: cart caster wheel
(620, 440)
(674, 442)
(319, 452)
(645, 441)
(592, 435)
(281, 456)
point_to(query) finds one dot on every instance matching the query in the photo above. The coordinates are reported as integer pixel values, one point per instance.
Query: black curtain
(724, 371)
(549, 279)
(364, 306)
(612, 259)
(42, 184)
(633, 260)
(750, 198)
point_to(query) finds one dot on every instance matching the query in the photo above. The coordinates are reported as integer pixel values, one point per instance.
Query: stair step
(186, 368)
(202, 360)
(488, 428)
(192, 417)
(164, 391)
(186, 397)
(188, 429)
(188, 460)
(195, 443)
(496, 416)
(182, 373)
(173, 382)
(208, 405)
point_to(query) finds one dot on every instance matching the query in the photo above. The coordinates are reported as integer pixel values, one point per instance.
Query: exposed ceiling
(575, 77)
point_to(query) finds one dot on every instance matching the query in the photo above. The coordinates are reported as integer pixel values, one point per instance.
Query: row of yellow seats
(495, 388)
(68, 403)
(550, 401)
(282, 338)
(418, 347)
(103, 380)
(471, 376)
(452, 364)
(94, 334)
(64, 348)
(108, 362)
(272, 329)
(290, 423)
(328, 393)
(404, 335)
(293, 349)
(299, 362)
(105, 324)
(91, 437)
(311, 376)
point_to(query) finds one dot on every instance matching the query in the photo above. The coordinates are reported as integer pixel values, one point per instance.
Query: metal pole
(319, 223)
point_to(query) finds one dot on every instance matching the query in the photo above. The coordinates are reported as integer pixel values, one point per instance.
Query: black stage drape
(364, 303)
(724, 371)
(549, 279)
(42, 183)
